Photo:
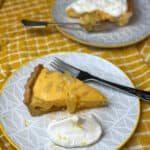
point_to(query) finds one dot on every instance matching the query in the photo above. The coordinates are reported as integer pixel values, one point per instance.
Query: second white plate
(137, 29)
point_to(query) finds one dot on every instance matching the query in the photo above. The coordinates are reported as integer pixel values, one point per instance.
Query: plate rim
(92, 44)
(84, 53)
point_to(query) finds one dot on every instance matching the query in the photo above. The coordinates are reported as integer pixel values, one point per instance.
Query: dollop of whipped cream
(113, 7)
(75, 131)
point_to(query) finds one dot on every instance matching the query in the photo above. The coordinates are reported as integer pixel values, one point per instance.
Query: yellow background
(19, 45)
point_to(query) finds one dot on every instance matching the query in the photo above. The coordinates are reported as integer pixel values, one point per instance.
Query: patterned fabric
(19, 45)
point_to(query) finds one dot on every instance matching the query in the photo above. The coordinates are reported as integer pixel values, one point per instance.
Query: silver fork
(105, 26)
(62, 66)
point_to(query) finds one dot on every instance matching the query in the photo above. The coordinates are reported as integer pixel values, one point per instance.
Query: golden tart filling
(47, 91)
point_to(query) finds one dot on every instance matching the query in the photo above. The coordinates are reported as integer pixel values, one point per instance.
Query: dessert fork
(42, 24)
(62, 66)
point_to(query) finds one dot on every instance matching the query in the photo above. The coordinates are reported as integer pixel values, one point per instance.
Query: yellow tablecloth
(19, 45)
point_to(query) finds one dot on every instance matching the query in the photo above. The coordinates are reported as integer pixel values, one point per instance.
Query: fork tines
(62, 66)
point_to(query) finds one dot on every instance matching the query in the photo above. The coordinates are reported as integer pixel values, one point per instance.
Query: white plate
(119, 119)
(137, 29)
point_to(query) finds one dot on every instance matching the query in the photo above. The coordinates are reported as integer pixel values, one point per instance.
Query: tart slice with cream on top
(92, 12)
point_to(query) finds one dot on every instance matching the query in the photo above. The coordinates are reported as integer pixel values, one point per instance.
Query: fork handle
(31, 23)
(136, 92)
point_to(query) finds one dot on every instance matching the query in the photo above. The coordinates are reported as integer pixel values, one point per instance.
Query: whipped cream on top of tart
(112, 7)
